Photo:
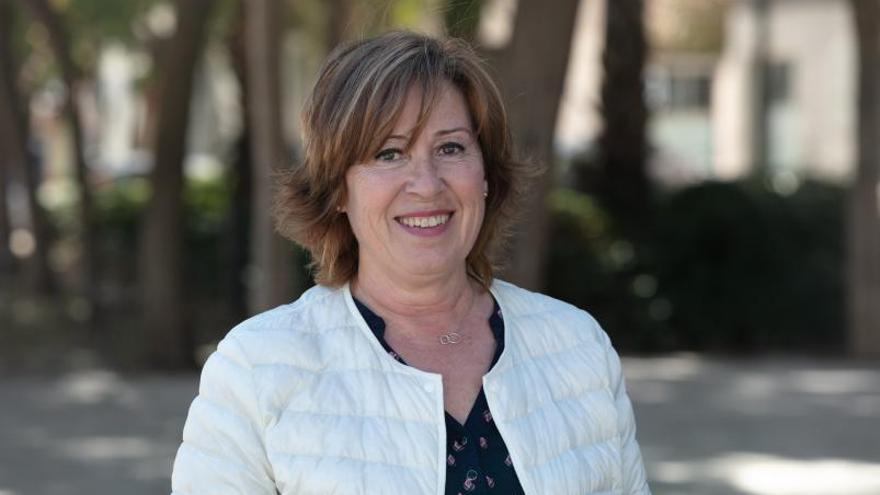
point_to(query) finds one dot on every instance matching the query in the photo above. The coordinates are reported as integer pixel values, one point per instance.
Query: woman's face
(416, 208)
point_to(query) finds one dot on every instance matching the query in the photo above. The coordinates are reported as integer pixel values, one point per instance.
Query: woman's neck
(434, 301)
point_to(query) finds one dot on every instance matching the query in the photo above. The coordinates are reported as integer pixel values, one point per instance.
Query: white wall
(812, 134)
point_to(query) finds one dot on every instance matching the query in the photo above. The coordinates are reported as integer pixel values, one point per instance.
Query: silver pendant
(450, 338)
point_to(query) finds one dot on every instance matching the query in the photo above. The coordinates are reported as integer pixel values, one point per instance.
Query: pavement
(707, 426)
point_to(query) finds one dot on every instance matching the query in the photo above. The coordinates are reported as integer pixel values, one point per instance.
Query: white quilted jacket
(304, 400)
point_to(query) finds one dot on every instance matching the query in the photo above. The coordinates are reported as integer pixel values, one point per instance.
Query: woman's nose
(424, 179)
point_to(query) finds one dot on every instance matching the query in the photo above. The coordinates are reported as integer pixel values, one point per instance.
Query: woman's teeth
(424, 222)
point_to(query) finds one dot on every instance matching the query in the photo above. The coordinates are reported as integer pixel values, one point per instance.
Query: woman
(409, 368)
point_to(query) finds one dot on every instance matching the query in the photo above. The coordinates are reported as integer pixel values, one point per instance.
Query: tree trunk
(272, 281)
(59, 40)
(165, 314)
(7, 262)
(16, 158)
(623, 151)
(339, 25)
(532, 72)
(863, 262)
(238, 225)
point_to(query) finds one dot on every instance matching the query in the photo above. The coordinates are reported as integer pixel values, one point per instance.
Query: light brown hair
(351, 111)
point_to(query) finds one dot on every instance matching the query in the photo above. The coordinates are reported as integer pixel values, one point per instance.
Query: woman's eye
(389, 155)
(448, 149)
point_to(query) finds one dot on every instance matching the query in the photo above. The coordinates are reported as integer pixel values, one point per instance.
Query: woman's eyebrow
(453, 130)
(442, 132)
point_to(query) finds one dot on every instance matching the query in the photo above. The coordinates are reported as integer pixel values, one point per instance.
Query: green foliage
(120, 207)
(107, 19)
(592, 267)
(94, 23)
(225, 18)
(406, 13)
(731, 267)
(206, 204)
(462, 18)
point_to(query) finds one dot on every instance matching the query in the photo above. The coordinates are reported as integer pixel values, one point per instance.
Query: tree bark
(532, 72)
(863, 261)
(339, 25)
(59, 41)
(165, 314)
(238, 226)
(623, 149)
(7, 261)
(17, 158)
(272, 280)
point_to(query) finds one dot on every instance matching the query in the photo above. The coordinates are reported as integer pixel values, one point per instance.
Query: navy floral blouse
(477, 460)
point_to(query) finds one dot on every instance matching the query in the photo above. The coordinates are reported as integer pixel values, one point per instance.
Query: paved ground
(760, 427)
(710, 427)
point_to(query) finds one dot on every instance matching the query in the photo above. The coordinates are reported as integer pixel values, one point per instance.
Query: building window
(778, 82)
(671, 89)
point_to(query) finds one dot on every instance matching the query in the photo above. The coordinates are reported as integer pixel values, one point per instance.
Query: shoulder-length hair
(351, 111)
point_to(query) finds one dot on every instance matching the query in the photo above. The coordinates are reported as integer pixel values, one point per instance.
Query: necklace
(453, 337)
(450, 338)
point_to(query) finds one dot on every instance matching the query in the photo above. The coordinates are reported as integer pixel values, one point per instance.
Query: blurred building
(702, 84)
(718, 69)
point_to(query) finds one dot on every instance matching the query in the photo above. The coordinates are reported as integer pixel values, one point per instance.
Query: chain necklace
(453, 337)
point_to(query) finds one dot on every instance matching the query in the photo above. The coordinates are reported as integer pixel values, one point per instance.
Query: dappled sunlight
(108, 448)
(91, 430)
(675, 367)
(769, 475)
(772, 426)
(762, 474)
(767, 387)
(756, 386)
(835, 382)
(93, 386)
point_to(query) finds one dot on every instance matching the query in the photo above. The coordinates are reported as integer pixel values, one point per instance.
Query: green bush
(592, 267)
(120, 209)
(730, 267)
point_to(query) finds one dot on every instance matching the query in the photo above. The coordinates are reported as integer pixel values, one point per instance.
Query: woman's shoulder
(519, 303)
(318, 309)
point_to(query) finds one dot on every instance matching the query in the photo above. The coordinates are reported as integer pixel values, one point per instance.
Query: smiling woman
(409, 368)
(371, 99)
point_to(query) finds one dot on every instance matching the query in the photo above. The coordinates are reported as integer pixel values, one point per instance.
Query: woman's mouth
(424, 222)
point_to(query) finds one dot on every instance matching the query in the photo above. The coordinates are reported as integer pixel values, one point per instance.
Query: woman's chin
(427, 266)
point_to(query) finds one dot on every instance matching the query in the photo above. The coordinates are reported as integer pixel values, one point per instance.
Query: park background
(711, 196)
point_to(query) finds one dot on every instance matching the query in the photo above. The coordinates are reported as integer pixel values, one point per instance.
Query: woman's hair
(351, 111)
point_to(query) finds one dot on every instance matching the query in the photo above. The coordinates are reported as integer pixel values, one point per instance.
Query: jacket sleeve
(634, 478)
(222, 449)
